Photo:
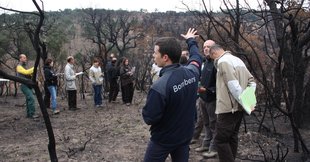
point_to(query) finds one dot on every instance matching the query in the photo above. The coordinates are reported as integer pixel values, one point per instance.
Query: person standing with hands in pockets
(170, 105)
(96, 77)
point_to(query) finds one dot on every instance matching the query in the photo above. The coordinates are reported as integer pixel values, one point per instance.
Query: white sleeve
(234, 88)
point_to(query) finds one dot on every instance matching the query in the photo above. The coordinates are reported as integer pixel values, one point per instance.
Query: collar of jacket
(71, 65)
(23, 64)
(168, 68)
(217, 60)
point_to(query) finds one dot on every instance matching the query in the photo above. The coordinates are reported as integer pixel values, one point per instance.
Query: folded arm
(20, 69)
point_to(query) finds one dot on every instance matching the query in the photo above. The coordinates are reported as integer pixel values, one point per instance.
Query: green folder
(248, 99)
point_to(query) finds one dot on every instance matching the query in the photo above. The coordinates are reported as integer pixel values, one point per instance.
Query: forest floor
(115, 133)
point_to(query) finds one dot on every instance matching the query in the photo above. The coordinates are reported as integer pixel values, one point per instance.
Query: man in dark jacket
(170, 105)
(113, 74)
(207, 99)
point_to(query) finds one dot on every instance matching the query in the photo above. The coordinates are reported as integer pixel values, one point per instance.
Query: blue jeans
(158, 153)
(30, 102)
(53, 92)
(97, 94)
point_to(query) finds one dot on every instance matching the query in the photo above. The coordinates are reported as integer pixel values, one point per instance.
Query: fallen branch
(73, 151)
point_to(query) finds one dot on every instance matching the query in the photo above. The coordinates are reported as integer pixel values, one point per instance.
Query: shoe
(201, 149)
(33, 116)
(72, 109)
(56, 111)
(127, 104)
(209, 154)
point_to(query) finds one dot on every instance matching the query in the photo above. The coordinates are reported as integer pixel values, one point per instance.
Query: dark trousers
(30, 102)
(226, 138)
(158, 153)
(199, 121)
(72, 99)
(114, 88)
(209, 119)
(47, 97)
(127, 93)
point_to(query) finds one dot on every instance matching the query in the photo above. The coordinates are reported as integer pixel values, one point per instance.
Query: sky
(131, 5)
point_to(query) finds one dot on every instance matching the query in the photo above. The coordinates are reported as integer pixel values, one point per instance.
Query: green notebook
(248, 99)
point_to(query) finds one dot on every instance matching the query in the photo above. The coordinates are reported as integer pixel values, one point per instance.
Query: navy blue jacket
(170, 105)
(208, 81)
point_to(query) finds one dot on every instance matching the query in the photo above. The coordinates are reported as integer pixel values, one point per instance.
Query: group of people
(120, 73)
(170, 107)
(123, 72)
(50, 85)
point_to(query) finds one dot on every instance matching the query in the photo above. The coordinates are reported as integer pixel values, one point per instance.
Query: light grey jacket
(96, 75)
(70, 77)
(231, 79)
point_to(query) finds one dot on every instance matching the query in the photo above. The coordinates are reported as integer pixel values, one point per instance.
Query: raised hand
(191, 33)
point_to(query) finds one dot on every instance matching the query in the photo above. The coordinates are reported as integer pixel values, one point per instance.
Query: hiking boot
(201, 149)
(209, 154)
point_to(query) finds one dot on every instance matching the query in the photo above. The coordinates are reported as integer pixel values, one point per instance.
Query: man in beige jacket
(231, 79)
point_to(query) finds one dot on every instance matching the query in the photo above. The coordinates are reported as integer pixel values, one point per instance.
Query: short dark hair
(183, 60)
(48, 62)
(171, 47)
(69, 58)
(96, 60)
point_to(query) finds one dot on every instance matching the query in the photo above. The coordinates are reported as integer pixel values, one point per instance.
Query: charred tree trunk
(50, 133)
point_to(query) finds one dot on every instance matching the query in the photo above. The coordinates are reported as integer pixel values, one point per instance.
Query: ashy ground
(114, 133)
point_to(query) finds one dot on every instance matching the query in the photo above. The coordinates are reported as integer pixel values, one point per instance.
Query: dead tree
(282, 34)
(292, 37)
(39, 47)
